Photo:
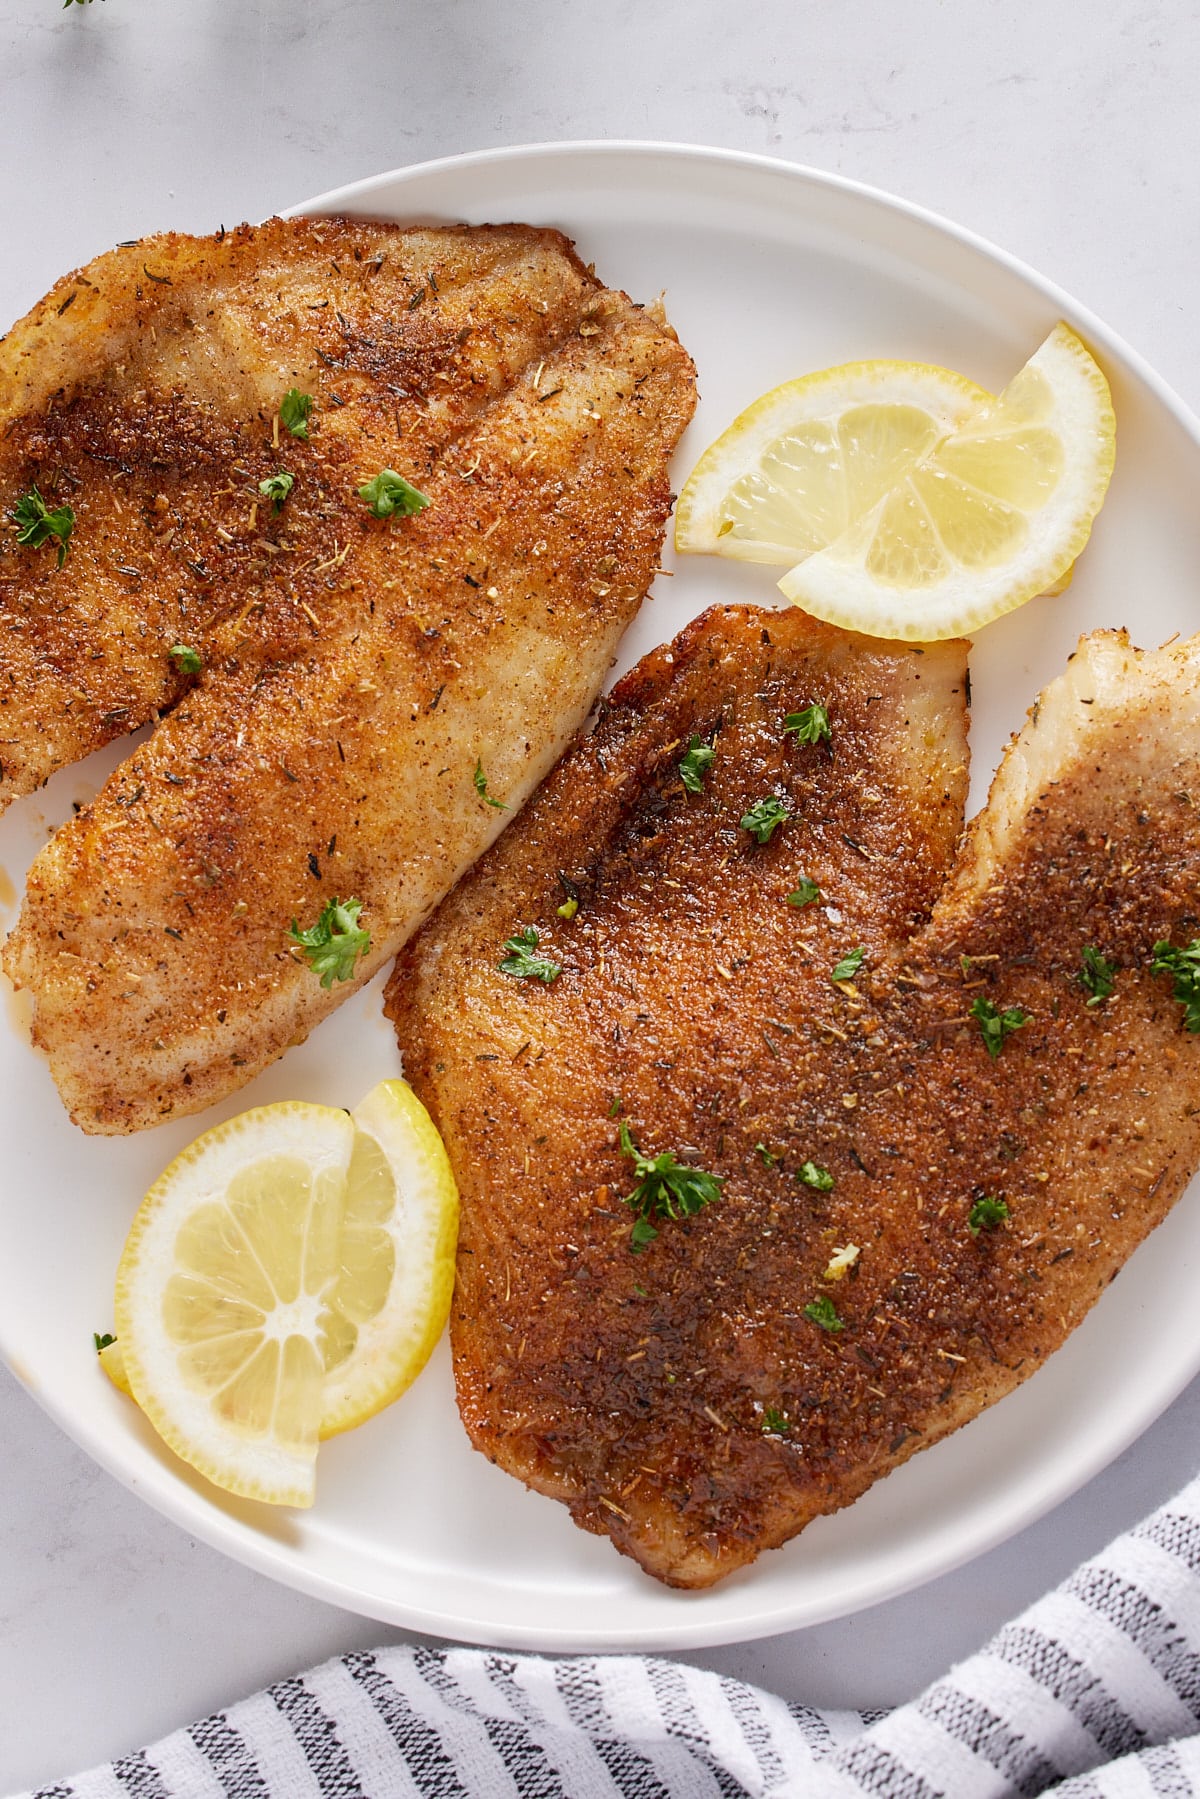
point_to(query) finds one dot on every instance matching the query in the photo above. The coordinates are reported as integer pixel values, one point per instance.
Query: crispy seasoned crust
(356, 669)
(684, 1401)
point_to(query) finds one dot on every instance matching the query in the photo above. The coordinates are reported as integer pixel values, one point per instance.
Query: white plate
(769, 270)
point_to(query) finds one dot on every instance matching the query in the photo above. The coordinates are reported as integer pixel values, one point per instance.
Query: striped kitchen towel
(1094, 1692)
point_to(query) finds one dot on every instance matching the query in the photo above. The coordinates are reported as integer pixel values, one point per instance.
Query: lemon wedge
(284, 1279)
(396, 1260)
(986, 519)
(796, 468)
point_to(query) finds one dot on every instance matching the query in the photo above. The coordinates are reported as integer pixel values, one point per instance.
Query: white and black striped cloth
(1094, 1692)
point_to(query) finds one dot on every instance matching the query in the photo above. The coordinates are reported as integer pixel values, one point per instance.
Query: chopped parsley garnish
(277, 487)
(806, 892)
(614, 1111)
(764, 817)
(480, 780)
(848, 967)
(811, 725)
(694, 766)
(774, 1424)
(569, 907)
(105, 1341)
(1183, 965)
(36, 524)
(814, 1176)
(295, 410)
(995, 1026)
(822, 1311)
(665, 1189)
(522, 964)
(986, 1214)
(187, 660)
(387, 492)
(769, 1157)
(1097, 976)
(333, 945)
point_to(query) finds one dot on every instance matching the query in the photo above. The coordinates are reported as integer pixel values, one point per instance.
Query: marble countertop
(1072, 144)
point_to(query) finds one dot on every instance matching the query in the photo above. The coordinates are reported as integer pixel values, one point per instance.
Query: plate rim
(190, 1509)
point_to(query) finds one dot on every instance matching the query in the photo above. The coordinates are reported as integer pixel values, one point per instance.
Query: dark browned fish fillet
(686, 1401)
(358, 672)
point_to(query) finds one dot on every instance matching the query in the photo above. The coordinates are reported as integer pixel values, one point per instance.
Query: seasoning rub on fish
(346, 688)
(823, 1134)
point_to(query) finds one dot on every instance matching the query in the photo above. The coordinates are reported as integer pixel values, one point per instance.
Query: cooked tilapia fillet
(142, 391)
(683, 1400)
(358, 672)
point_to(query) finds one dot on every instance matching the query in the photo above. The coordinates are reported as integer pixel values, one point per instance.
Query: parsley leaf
(806, 892)
(187, 660)
(995, 1026)
(848, 967)
(36, 524)
(774, 1424)
(388, 492)
(814, 1176)
(822, 1311)
(333, 945)
(1183, 965)
(665, 1189)
(105, 1341)
(764, 817)
(522, 964)
(1097, 976)
(810, 725)
(277, 487)
(769, 1157)
(986, 1214)
(694, 766)
(295, 410)
(569, 907)
(480, 780)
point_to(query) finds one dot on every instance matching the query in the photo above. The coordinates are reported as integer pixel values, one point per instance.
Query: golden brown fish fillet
(143, 392)
(358, 672)
(705, 1399)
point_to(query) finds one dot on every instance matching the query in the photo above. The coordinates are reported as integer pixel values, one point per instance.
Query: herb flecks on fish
(36, 523)
(387, 493)
(995, 1026)
(295, 410)
(1183, 965)
(333, 945)
(765, 817)
(522, 964)
(665, 1189)
(810, 725)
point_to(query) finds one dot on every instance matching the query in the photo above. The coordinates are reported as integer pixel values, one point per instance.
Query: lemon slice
(285, 1279)
(222, 1297)
(989, 517)
(803, 462)
(396, 1274)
